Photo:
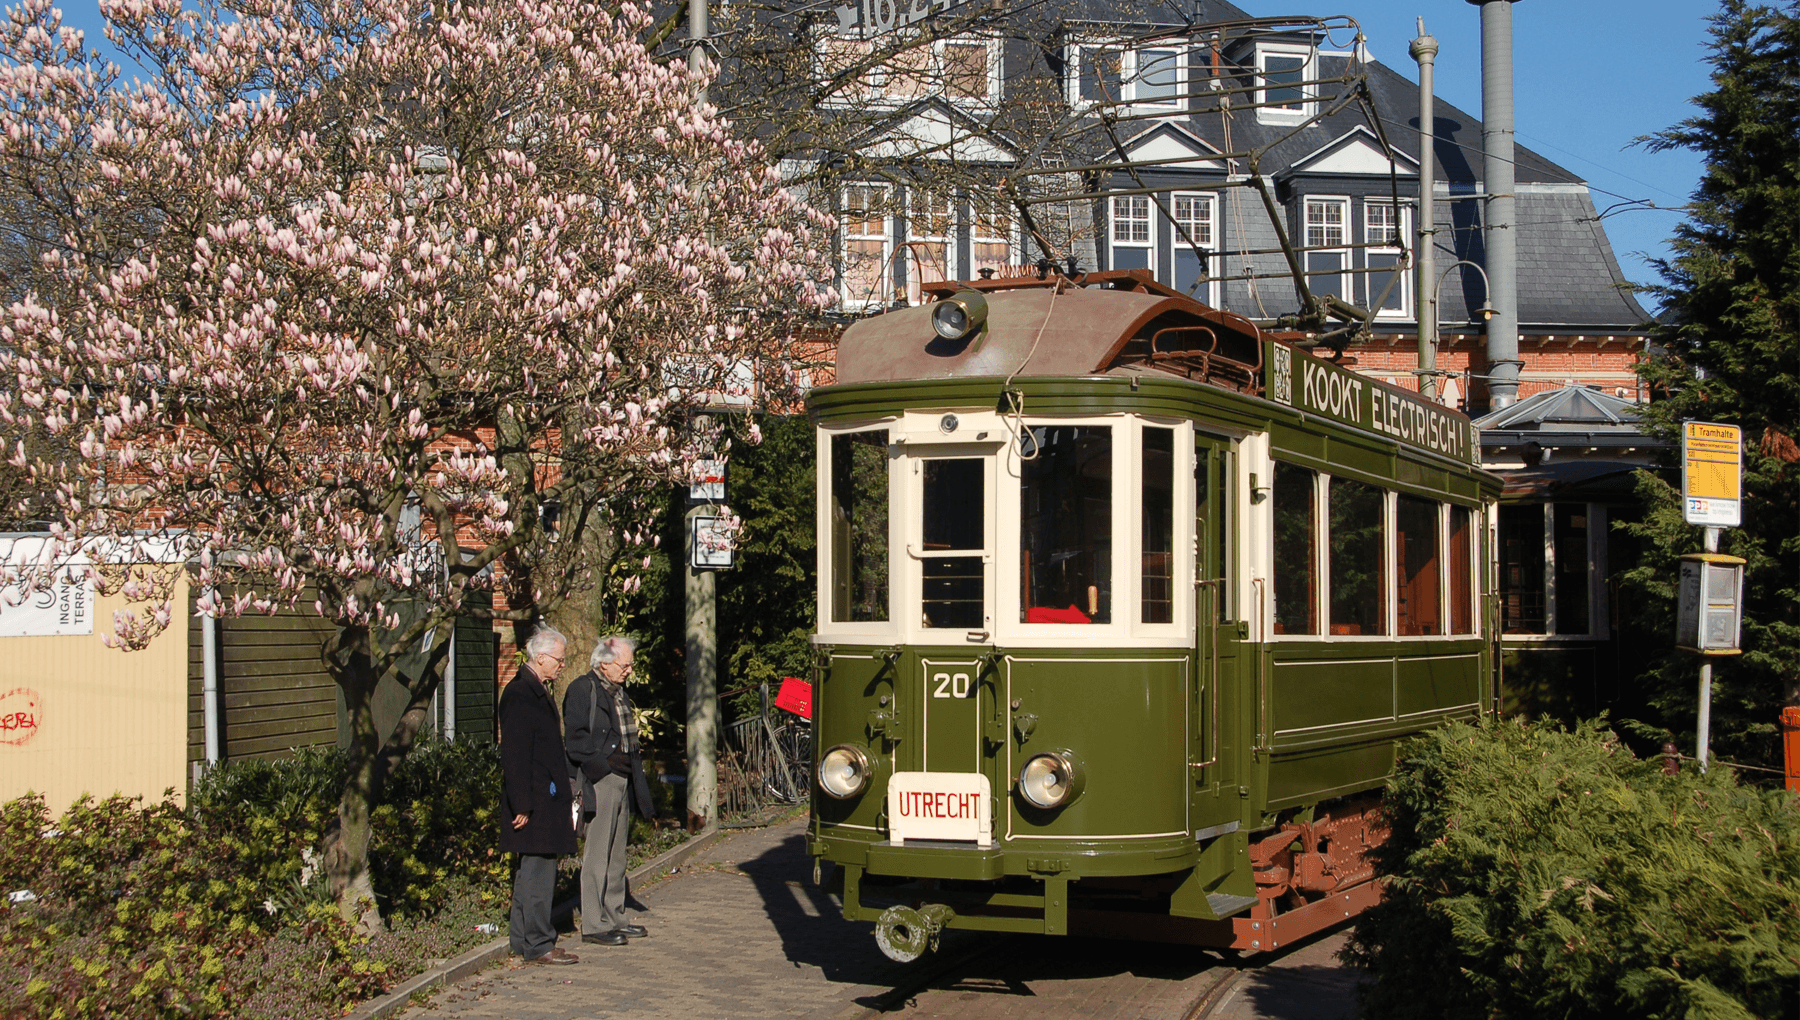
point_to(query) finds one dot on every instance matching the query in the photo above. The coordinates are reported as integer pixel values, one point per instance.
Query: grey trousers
(603, 859)
(534, 885)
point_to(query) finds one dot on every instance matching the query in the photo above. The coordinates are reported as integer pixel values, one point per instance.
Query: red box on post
(795, 696)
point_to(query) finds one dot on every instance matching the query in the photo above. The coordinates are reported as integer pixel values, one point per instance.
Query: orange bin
(1790, 744)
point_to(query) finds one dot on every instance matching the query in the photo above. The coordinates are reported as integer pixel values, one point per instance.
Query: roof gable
(932, 129)
(1356, 152)
(1171, 146)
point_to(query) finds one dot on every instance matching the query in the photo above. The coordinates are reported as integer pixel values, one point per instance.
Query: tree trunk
(347, 846)
(354, 666)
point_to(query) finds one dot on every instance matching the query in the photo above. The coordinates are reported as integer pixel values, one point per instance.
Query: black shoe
(631, 931)
(606, 938)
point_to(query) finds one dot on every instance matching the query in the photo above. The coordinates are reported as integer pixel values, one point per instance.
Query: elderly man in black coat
(603, 750)
(536, 804)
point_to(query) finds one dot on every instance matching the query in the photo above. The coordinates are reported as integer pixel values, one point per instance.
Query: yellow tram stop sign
(1712, 469)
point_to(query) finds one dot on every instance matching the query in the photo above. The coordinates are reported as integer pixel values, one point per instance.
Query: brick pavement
(741, 932)
(1306, 983)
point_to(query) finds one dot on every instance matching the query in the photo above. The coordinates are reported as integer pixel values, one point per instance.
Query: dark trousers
(534, 886)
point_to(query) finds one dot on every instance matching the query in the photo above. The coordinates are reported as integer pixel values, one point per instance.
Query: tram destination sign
(1319, 387)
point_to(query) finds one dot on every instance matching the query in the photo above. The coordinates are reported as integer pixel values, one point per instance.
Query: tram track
(994, 956)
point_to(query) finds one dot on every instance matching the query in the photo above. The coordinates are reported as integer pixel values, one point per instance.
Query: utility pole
(702, 598)
(702, 687)
(1498, 235)
(697, 30)
(1424, 50)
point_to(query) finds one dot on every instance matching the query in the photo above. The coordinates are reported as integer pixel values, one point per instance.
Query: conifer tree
(1730, 352)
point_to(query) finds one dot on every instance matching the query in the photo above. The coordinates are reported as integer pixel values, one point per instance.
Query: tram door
(1215, 633)
(954, 558)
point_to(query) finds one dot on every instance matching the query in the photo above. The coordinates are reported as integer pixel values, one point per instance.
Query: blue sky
(1590, 76)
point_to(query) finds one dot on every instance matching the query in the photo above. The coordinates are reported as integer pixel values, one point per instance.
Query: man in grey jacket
(602, 741)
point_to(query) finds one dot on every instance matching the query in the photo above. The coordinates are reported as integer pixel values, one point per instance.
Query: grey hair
(543, 641)
(603, 652)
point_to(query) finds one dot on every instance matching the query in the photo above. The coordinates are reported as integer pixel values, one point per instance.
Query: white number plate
(941, 806)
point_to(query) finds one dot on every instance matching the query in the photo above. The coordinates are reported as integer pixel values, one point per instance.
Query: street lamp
(1428, 385)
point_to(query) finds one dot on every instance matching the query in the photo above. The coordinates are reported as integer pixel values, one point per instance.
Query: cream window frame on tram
(1322, 563)
(829, 630)
(1473, 538)
(1182, 566)
(1124, 630)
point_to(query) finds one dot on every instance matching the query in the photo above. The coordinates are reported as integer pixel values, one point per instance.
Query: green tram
(1124, 603)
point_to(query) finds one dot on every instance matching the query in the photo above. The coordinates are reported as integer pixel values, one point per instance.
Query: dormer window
(1112, 72)
(1282, 71)
(893, 71)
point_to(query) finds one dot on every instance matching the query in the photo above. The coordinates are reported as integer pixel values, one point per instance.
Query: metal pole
(697, 30)
(702, 689)
(450, 686)
(1703, 729)
(1498, 233)
(209, 681)
(1424, 49)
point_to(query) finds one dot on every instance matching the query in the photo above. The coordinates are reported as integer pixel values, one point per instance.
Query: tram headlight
(1050, 780)
(959, 314)
(843, 772)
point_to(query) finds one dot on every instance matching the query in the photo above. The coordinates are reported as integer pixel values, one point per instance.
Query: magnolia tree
(373, 308)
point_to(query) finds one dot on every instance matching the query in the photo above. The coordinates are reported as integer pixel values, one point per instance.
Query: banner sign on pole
(1712, 470)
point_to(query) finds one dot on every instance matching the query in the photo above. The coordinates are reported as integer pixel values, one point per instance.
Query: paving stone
(740, 933)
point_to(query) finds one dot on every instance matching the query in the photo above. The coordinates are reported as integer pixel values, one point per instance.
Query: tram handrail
(1212, 596)
(1261, 688)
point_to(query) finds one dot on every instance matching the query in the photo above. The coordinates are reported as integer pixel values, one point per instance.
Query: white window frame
(876, 91)
(1374, 282)
(1308, 71)
(1210, 200)
(1076, 66)
(915, 280)
(1114, 221)
(1346, 283)
(1009, 237)
(865, 298)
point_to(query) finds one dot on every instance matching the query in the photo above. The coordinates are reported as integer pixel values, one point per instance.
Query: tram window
(1462, 578)
(1358, 578)
(1296, 604)
(859, 527)
(954, 517)
(1158, 526)
(1571, 530)
(1522, 557)
(1416, 565)
(1065, 530)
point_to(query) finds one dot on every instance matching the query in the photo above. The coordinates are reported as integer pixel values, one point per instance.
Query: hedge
(1536, 872)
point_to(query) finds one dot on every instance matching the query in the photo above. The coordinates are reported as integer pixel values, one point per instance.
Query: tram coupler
(904, 934)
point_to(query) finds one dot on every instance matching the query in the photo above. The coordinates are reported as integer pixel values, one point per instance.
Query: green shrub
(1535, 872)
(220, 909)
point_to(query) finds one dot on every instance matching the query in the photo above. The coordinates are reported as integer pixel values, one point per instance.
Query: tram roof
(1034, 328)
